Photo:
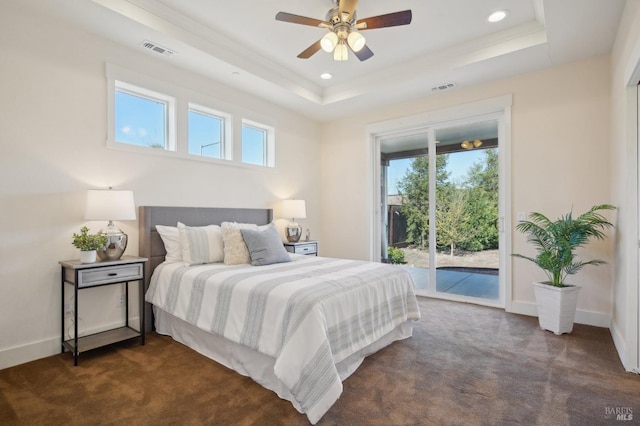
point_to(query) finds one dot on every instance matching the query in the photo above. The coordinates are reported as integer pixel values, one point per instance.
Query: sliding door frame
(498, 109)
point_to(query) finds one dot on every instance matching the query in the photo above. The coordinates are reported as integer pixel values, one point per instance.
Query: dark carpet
(465, 365)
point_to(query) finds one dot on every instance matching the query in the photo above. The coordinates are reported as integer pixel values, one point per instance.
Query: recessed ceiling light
(498, 16)
(326, 76)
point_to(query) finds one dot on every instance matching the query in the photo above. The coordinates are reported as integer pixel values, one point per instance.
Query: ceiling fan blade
(348, 7)
(383, 21)
(302, 20)
(310, 51)
(364, 53)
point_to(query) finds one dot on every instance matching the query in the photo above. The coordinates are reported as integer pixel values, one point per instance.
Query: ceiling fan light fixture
(356, 41)
(329, 42)
(340, 53)
(341, 21)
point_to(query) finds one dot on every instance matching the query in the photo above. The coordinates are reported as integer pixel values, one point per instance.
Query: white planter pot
(556, 307)
(88, 256)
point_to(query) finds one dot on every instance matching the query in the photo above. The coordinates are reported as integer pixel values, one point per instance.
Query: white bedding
(307, 315)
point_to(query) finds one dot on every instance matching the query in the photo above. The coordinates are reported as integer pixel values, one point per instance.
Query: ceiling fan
(344, 29)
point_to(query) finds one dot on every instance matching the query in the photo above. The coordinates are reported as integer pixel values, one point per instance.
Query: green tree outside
(453, 221)
(414, 188)
(466, 212)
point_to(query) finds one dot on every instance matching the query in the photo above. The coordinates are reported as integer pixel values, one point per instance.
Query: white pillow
(201, 244)
(235, 249)
(171, 239)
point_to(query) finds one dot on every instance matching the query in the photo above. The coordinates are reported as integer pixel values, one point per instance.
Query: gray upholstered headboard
(151, 246)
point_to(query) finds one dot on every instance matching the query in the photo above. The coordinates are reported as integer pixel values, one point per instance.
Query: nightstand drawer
(302, 248)
(310, 248)
(106, 275)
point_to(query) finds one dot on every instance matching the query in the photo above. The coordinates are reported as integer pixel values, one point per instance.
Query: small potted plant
(88, 244)
(556, 242)
(396, 256)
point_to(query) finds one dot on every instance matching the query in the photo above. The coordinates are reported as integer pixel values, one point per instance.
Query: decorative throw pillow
(171, 239)
(265, 246)
(201, 244)
(235, 249)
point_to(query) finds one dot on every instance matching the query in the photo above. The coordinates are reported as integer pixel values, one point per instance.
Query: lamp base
(293, 232)
(116, 243)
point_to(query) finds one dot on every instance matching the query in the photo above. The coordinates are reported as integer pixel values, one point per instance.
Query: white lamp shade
(108, 204)
(329, 41)
(356, 41)
(340, 52)
(294, 209)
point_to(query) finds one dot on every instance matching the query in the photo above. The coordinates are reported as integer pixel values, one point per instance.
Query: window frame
(268, 142)
(226, 134)
(182, 100)
(170, 122)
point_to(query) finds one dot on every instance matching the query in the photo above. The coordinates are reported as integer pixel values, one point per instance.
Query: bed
(297, 325)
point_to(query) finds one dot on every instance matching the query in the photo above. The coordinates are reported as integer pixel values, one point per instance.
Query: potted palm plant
(556, 242)
(88, 244)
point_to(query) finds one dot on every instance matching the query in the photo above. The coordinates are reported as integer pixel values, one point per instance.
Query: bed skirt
(252, 363)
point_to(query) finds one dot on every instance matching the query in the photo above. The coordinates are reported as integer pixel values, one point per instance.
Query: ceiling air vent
(441, 87)
(157, 48)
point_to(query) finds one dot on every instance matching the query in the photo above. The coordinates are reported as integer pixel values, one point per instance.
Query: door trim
(498, 108)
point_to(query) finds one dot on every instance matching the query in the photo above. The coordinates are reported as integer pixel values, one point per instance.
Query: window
(143, 117)
(155, 117)
(257, 144)
(208, 132)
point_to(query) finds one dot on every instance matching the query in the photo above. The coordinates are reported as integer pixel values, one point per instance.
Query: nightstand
(88, 275)
(302, 247)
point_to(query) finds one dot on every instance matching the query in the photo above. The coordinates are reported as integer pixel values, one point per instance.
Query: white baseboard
(29, 352)
(628, 360)
(596, 319)
(32, 351)
(621, 346)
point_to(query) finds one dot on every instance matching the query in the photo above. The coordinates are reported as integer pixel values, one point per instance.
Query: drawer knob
(113, 274)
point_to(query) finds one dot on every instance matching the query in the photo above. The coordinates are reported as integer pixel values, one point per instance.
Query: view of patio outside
(466, 212)
(465, 259)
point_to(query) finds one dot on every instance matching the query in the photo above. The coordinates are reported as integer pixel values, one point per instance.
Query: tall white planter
(556, 307)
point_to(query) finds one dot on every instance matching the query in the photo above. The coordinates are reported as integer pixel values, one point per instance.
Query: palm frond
(557, 240)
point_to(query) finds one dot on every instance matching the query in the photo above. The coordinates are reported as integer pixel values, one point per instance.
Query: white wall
(53, 140)
(624, 61)
(560, 159)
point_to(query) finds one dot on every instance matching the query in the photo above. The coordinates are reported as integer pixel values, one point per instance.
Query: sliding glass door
(466, 211)
(440, 196)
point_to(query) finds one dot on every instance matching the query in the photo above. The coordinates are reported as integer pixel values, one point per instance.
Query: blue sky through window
(146, 118)
(253, 145)
(205, 135)
(458, 165)
(140, 121)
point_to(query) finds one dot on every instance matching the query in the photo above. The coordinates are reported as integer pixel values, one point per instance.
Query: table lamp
(109, 204)
(294, 209)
